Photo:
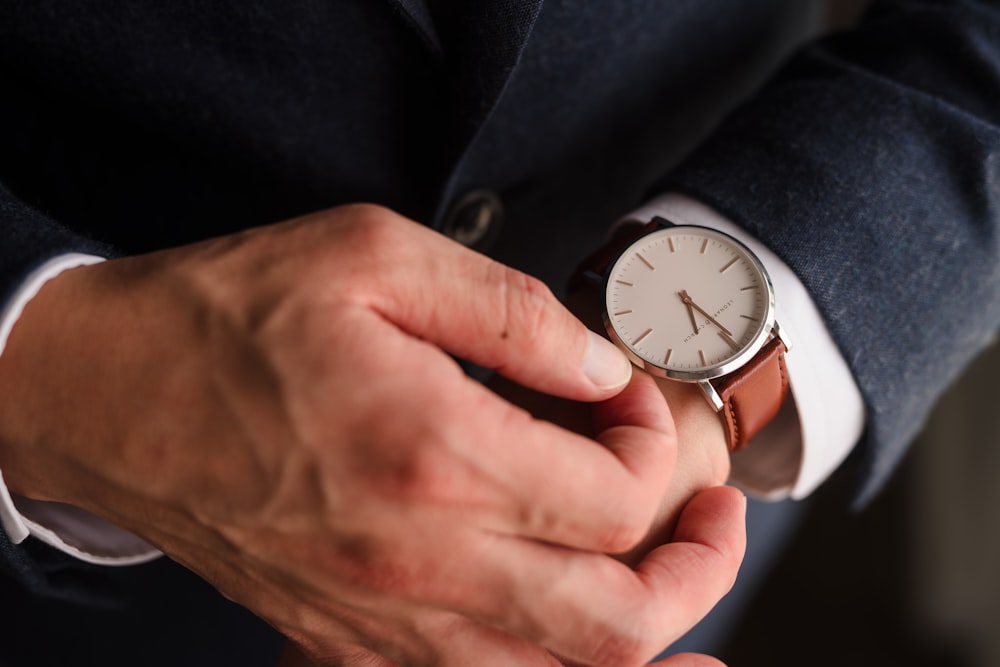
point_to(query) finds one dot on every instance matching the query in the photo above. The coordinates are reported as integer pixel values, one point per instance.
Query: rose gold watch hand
(690, 303)
(687, 302)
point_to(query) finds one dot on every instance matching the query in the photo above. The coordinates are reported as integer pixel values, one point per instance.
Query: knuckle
(417, 476)
(365, 210)
(385, 576)
(533, 298)
(534, 287)
(373, 226)
(419, 465)
(525, 306)
(370, 257)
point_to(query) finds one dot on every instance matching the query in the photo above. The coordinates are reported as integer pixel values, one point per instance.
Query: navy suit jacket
(870, 162)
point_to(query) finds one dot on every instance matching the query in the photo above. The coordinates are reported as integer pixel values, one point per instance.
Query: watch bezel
(730, 365)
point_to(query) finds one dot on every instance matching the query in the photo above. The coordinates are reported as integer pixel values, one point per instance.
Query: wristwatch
(695, 305)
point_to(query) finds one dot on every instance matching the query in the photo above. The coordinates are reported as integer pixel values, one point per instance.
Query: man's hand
(702, 454)
(278, 411)
(292, 657)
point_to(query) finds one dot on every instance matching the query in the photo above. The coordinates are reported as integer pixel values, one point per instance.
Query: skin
(702, 458)
(280, 411)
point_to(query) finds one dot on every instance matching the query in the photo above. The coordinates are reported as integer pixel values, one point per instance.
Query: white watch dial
(689, 302)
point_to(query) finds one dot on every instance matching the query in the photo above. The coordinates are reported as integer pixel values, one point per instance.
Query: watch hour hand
(687, 302)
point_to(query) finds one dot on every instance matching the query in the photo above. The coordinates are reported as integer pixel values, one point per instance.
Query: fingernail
(604, 364)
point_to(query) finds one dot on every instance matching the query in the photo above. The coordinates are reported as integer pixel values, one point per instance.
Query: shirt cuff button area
(475, 219)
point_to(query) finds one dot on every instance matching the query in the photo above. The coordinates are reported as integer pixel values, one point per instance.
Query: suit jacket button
(475, 219)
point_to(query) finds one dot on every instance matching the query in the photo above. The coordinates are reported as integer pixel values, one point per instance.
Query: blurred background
(912, 579)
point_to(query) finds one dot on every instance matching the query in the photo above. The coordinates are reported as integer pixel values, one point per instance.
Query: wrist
(30, 354)
(701, 438)
(703, 458)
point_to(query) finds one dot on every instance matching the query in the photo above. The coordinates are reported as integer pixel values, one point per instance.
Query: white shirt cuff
(814, 432)
(69, 529)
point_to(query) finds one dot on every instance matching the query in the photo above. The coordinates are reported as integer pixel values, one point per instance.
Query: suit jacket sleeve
(871, 165)
(27, 239)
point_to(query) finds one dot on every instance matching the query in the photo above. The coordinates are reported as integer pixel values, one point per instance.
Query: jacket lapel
(482, 45)
(484, 56)
(418, 16)
(489, 37)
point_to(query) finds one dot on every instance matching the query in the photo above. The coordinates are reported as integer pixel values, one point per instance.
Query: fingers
(595, 610)
(700, 565)
(454, 446)
(482, 311)
(642, 405)
(460, 641)
(441, 639)
(564, 488)
(432, 294)
(534, 479)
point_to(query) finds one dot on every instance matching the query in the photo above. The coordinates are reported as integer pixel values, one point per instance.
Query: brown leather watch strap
(752, 396)
(591, 270)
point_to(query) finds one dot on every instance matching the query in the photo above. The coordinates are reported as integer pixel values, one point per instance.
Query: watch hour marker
(666, 359)
(752, 319)
(645, 261)
(670, 242)
(704, 246)
(731, 262)
(624, 282)
(644, 334)
(701, 353)
(622, 312)
(744, 289)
